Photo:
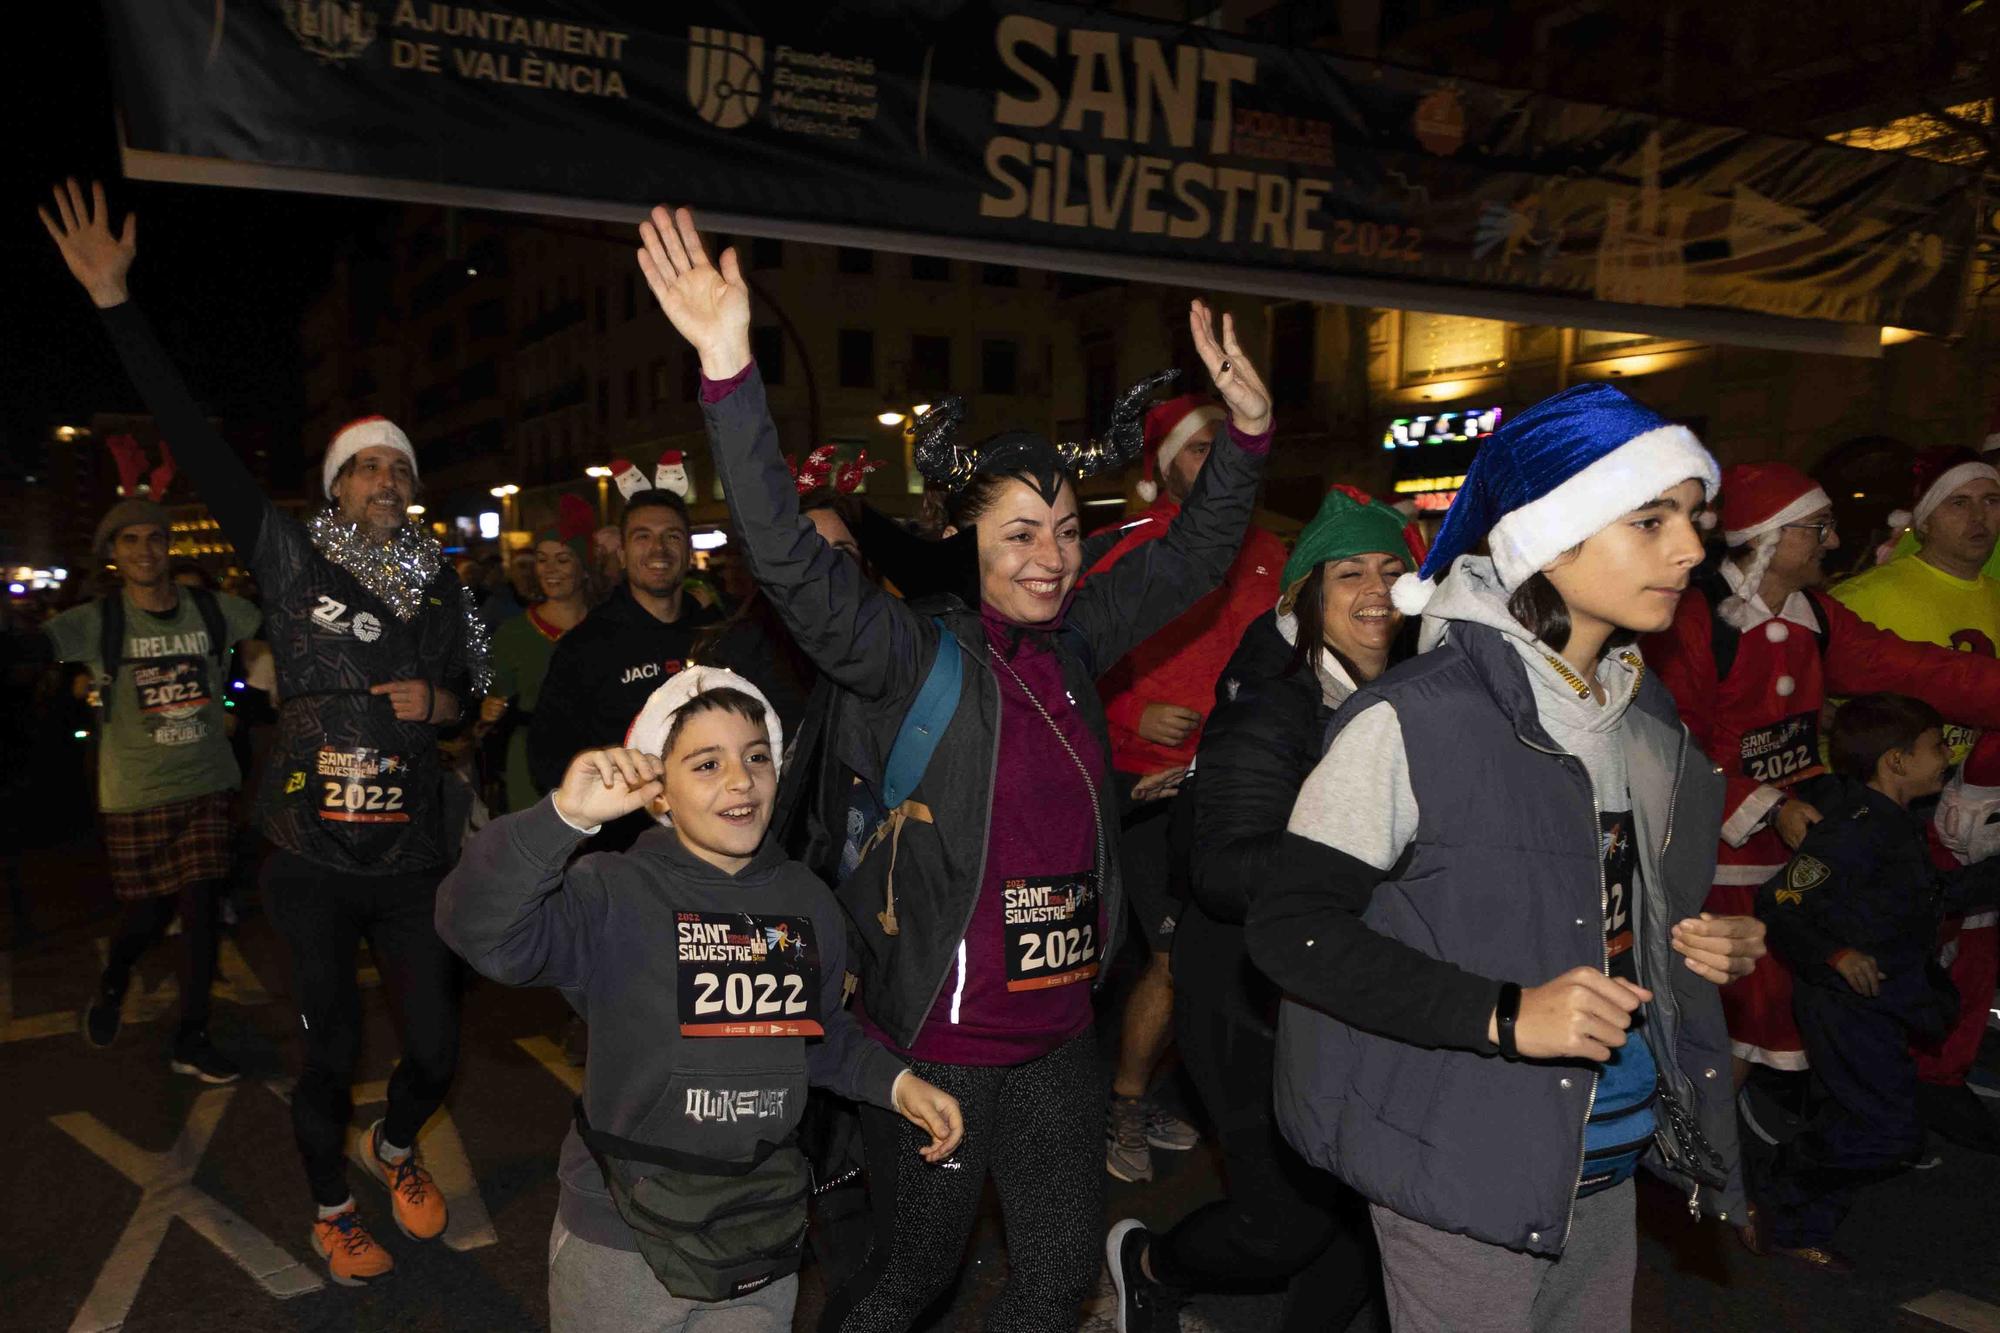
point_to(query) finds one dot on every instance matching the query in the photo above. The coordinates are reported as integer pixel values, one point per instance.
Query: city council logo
(333, 30)
(725, 76)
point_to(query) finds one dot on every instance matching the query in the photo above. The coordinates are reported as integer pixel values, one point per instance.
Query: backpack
(111, 639)
(875, 816)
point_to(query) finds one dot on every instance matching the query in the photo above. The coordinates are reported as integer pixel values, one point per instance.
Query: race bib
(1051, 927)
(360, 786)
(1783, 752)
(739, 975)
(1621, 865)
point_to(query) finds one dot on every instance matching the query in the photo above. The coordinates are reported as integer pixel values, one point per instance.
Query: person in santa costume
(1754, 652)
(1155, 700)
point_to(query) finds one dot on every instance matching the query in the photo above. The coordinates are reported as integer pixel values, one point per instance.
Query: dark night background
(224, 273)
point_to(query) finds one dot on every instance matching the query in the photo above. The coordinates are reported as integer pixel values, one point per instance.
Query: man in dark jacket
(1855, 914)
(604, 669)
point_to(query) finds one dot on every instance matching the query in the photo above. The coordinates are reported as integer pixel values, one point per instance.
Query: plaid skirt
(156, 852)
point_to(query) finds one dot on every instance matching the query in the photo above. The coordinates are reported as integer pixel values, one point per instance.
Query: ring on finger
(1224, 370)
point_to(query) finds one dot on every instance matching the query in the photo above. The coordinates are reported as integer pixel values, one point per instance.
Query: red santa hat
(1169, 427)
(1758, 500)
(365, 433)
(1936, 473)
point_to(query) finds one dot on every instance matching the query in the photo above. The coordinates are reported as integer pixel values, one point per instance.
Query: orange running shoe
(414, 1196)
(353, 1259)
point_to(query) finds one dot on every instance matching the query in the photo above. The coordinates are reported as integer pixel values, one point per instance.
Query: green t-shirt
(522, 647)
(165, 741)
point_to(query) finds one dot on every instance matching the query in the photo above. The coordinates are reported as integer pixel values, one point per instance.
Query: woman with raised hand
(993, 893)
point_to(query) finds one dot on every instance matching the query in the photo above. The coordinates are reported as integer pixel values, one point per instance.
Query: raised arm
(862, 638)
(100, 262)
(512, 908)
(1153, 584)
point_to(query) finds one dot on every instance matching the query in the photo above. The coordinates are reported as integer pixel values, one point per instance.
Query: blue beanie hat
(1559, 473)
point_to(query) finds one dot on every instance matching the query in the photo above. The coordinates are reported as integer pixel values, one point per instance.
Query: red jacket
(1181, 663)
(1761, 725)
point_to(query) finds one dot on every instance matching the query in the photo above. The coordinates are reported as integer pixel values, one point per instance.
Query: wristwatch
(1505, 1011)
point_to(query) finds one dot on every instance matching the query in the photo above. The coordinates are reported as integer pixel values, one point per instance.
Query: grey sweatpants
(596, 1289)
(1437, 1282)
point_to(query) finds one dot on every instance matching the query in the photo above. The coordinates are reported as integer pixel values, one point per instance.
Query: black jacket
(600, 676)
(877, 651)
(1257, 748)
(1863, 879)
(348, 785)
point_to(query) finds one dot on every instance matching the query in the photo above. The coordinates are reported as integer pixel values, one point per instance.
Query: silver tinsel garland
(398, 571)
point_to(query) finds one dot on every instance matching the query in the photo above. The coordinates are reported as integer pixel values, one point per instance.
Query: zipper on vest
(1678, 1155)
(1604, 966)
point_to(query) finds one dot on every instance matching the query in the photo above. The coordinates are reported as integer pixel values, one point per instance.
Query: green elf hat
(1350, 522)
(575, 524)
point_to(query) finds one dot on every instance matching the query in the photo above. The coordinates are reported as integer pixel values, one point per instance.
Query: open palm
(710, 307)
(1235, 378)
(81, 229)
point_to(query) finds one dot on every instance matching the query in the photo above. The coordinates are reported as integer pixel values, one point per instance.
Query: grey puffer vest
(1503, 877)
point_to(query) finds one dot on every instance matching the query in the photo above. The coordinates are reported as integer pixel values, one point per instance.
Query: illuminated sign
(1426, 485)
(1441, 428)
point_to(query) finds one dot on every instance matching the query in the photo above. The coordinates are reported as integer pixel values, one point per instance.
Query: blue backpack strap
(925, 722)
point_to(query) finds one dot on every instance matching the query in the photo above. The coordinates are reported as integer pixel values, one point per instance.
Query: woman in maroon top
(1005, 894)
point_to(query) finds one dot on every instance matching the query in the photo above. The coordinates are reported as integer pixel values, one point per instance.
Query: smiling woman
(1005, 887)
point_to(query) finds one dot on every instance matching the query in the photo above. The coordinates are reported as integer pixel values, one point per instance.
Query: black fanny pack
(710, 1231)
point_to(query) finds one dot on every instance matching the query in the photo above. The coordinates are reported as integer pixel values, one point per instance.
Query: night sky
(224, 273)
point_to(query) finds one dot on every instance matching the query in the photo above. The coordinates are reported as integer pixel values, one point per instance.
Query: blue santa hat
(1559, 473)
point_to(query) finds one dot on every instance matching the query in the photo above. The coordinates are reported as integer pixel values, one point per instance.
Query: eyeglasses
(1821, 530)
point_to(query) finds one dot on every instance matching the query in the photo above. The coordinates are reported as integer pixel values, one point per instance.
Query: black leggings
(1283, 1222)
(323, 916)
(1039, 1128)
(141, 925)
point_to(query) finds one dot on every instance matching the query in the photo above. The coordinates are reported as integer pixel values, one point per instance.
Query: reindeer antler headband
(950, 465)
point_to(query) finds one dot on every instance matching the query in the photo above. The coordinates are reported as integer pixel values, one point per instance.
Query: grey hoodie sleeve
(512, 907)
(846, 1060)
(1354, 817)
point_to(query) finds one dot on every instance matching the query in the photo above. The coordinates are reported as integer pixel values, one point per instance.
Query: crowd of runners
(1467, 871)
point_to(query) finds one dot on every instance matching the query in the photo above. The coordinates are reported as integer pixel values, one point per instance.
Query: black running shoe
(195, 1054)
(101, 1019)
(1144, 1306)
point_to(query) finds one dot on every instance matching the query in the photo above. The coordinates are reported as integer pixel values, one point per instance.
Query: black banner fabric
(1051, 128)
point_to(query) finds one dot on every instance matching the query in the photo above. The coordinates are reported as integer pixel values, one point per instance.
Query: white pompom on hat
(648, 731)
(364, 433)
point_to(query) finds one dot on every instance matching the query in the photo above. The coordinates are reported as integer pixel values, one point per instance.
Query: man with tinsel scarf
(378, 648)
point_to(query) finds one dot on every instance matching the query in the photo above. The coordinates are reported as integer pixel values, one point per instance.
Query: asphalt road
(137, 1199)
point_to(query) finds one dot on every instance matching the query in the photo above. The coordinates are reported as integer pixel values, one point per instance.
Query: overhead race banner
(1046, 129)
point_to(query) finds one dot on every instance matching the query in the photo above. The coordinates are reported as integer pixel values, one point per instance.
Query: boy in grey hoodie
(708, 965)
(1486, 881)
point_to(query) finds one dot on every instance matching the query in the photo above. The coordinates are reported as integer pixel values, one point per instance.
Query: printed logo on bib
(172, 693)
(1621, 864)
(739, 975)
(1051, 927)
(360, 786)
(1783, 752)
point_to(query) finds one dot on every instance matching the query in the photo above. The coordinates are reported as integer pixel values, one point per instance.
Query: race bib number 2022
(360, 786)
(743, 975)
(1051, 926)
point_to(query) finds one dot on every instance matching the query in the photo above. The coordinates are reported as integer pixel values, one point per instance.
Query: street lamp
(603, 475)
(414, 510)
(505, 495)
(890, 418)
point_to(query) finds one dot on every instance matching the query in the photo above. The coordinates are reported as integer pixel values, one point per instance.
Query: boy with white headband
(710, 969)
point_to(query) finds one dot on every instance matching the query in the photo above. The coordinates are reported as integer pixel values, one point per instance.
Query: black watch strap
(1505, 1011)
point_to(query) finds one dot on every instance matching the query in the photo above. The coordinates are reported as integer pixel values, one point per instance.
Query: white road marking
(166, 1180)
(468, 1226)
(550, 1057)
(1956, 1310)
